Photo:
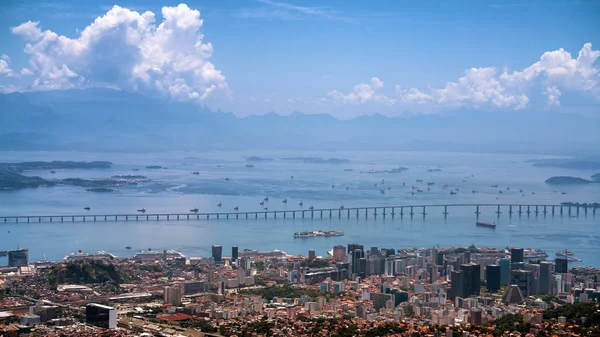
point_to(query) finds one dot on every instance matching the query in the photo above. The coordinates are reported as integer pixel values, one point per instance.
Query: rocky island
(257, 159)
(565, 180)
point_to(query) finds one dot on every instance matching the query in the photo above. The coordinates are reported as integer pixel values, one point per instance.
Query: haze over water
(176, 190)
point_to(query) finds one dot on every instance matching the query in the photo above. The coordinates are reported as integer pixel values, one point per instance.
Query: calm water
(176, 190)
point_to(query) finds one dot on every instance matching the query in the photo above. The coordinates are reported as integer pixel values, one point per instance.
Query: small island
(317, 160)
(154, 167)
(434, 170)
(257, 159)
(101, 190)
(566, 180)
(394, 170)
(596, 177)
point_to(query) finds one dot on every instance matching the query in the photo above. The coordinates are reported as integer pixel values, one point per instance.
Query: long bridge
(366, 212)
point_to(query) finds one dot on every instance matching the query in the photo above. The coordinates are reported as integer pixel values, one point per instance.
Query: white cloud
(128, 50)
(556, 73)
(26, 71)
(4, 67)
(361, 93)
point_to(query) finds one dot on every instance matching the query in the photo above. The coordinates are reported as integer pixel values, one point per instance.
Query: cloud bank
(556, 72)
(127, 50)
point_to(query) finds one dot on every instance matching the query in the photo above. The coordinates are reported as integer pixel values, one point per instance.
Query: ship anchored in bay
(314, 234)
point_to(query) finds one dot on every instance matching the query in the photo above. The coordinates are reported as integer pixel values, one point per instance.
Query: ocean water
(175, 189)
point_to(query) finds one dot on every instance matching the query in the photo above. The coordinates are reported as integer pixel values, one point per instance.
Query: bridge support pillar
(577, 210)
(585, 210)
(321, 214)
(116, 217)
(94, 219)
(520, 211)
(188, 216)
(552, 210)
(52, 217)
(393, 211)
(256, 215)
(477, 212)
(294, 215)
(536, 210)
(265, 215)
(348, 214)
(167, 216)
(246, 215)
(217, 216)
(312, 214)
(357, 213)
(528, 211)
(375, 211)
(561, 210)
(383, 212)
(569, 210)
(366, 212)
(72, 219)
(401, 212)
(61, 219)
(329, 214)
(302, 214)
(136, 218)
(545, 211)
(498, 211)
(424, 213)
(445, 211)
(226, 216)
(284, 214)
(594, 210)
(40, 219)
(411, 211)
(510, 212)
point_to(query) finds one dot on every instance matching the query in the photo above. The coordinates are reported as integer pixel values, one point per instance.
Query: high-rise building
(357, 254)
(475, 316)
(504, 271)
(562, 265)
(217, 253)
(492, 278)
(545, 277)
(362, 267)
(172, 294)
(456, 284)
(516, 255)
(312, 255)
(399, 296)
(354, 246)
(379, 300)
(101, 316)
(18, 257)
(374, 251)
(234, 253)
(524, 280)
(339, 253)
(470, 280)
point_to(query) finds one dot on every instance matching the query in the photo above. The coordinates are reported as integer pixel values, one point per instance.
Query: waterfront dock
(357, 212)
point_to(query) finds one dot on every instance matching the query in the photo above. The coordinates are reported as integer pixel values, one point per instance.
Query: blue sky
(346, 58)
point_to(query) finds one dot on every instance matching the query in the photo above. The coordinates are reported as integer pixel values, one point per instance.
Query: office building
(470, 285)
(399, 296)
(545, 277)
(524, 280)
(562, 265)
(379, 300)
(312, 255)
(456, 284)
(18, 257)
(234, 253)
(354, 246)
(339, 253)
(357, 254)
(101, 316)
(492, 282)
(217, 253)
(504, 271)
(475, 318)
(516, 255)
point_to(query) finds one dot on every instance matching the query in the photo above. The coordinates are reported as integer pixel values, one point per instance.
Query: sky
(346, 58)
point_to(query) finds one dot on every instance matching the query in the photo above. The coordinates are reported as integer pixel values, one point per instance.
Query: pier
(401, 211)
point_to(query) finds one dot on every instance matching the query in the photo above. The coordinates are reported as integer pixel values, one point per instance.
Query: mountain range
(113, 120)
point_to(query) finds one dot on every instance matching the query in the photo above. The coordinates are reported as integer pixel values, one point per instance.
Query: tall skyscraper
(354, 246)
(101, 316)
(516, 255)
(312, 255)
(545, 277)
(217, 253)
(357, 254)
(492, 278)
(504, 271)
(18, 257)
(470, 279)
(562, 265)
(456, 284)
(339, 253)
(234, 253)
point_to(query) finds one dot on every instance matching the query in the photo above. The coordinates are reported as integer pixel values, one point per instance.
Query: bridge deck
(321, 212)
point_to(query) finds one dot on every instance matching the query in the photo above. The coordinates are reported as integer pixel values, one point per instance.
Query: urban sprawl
(353, 291)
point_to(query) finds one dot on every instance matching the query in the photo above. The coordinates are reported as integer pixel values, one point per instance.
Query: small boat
(249, 165)
(474, 191)
(500, 191)
(532, 192)
(521, 191)
(52, 172)
(485, 224)
(342, 207)
(266, 199)
(564, 253)
(452, 192)
(142, 210)
(196, 173)
(265, 208)
(564, 192)
(430, 183)
(382, 191)
(219, 204)
(128, 247)
(382, 181)
(194, 210)
(419, 180)
(419, 190)
(284, 201)
(262, 203)
(300, 204)
(332, 186)
(292, 177)
(348, 170)
(86, 208)
(312, 208)
(227, 179)
(495, 186)
(236, 208)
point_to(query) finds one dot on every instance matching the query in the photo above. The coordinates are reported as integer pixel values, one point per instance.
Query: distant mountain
(112, 120)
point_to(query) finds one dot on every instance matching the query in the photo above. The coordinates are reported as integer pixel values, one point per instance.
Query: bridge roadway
(374, 211)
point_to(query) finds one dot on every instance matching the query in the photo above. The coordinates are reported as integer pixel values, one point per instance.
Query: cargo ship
(564, 253)
(485, 224)
(314, 234)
